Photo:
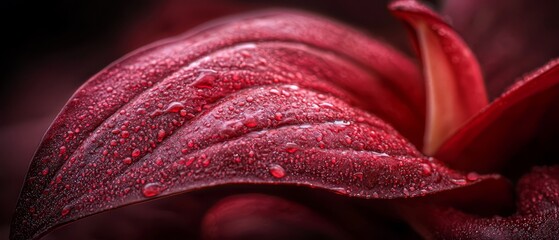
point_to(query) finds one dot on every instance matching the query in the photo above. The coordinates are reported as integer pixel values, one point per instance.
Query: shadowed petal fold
(537, 216)
(454, 85)
(520, 125)
(258, 216)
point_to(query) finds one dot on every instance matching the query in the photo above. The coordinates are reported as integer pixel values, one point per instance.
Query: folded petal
(509, 38)
(455, 87)
(518, 128)
(258, 101)
(537, 216)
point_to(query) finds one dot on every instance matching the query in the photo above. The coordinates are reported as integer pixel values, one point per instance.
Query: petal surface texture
(269, 98)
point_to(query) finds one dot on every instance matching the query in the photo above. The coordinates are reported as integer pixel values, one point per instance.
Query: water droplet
(190, 161)
(125, 134)
(160, 135)
(62, 150)
(205, 80)
(152, 189)
(65, 210)
(472, 176)
(250, 99)
(205, 160)
(342, 122)
(127, 161)
(277, 171)
(45, 171)
(159, 162)
(340, 190)
(406, 192)
(274, 91)
(174, 107)
(358, 175)
(251, 122)
(327, 105)
(183, 113)
(278, 116)
(460, 182)
(136, 152)
(291, 147)
(426, 169)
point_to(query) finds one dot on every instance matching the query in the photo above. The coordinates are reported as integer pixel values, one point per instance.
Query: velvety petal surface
(518, 129)
(537, 215)
(509, 38)
(269, 98)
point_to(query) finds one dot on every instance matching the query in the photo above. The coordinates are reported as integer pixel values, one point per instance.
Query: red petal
(524, 116)
(455, 88)
(257, 216)
(509, 38)
(537, 216)
(255, 101)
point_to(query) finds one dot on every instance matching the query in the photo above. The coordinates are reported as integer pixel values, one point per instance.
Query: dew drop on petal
(65, 211)
(152, 189)
(159, 162)
(124, 134)
(277, 171)
(127, 161)
(205, 80)
(472, 176)
(251, 122)
(460, 182)
(291, 147)
(426, 169)
(174, 107)
(136, 152)
(160, 135)
(62, 150)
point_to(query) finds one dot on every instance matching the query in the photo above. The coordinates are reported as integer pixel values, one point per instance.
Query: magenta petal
(523, 120)
(256, 101)
(509, 38)
(537, 216)
(257, 216)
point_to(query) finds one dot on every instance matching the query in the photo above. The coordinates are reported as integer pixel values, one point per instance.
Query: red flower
(283, 98)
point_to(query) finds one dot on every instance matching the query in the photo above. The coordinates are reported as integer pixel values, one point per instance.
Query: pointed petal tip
(455, 87)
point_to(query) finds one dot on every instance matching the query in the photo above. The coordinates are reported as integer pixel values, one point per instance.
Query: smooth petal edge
(532, 85)
(455, 86)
